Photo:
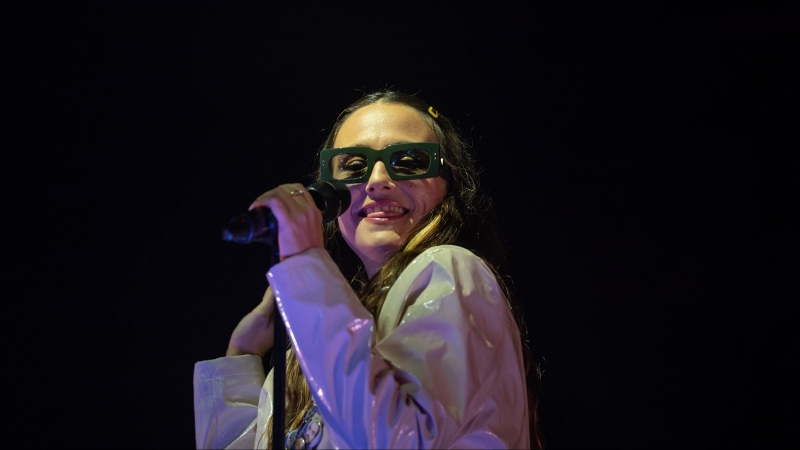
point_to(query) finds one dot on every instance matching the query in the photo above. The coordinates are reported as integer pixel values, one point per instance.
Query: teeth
(374, 209)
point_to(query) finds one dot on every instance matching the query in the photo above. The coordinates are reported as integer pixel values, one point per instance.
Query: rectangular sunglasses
(402, 161)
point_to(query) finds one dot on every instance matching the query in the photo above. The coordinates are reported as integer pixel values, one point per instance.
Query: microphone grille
(331, 197)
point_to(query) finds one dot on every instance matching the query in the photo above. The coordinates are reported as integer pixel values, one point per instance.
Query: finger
(264, 199)
(268, 295)
(268, 301)
(298, 194)
(294, 196)
(264, 310)
(267, 306)
(299, 220)
(299, 204)
(277, 200)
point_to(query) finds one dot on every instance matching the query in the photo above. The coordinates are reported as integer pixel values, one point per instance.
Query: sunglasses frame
(372, 155)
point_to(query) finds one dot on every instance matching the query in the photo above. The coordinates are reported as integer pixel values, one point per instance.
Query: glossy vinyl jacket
(442, 369)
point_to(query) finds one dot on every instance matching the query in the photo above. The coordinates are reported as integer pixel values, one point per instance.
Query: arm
(444, 370)
(226, 394)
(226, 390)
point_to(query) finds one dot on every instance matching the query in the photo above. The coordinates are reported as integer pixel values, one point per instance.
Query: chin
(372, 242)
(377, 247)
(380, 245)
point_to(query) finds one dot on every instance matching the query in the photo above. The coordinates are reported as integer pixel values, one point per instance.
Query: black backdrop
(641, 160)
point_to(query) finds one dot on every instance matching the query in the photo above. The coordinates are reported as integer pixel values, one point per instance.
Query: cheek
(344, 226)
(440, 190)
(355, 199)
(348, 228)
(431, 194)
(346, 221)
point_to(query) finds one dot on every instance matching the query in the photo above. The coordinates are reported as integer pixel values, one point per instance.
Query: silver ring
(296, 192)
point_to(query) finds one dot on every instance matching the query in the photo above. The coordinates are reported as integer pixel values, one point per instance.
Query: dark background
(641, 159)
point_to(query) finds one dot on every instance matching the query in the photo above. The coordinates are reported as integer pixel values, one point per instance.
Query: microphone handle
(259, 225)
(256, 225)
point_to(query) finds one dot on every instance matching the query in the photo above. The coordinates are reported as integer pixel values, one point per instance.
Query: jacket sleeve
(444, 368)
(226, 395)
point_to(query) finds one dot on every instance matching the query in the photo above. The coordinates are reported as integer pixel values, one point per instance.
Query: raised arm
(226, 390)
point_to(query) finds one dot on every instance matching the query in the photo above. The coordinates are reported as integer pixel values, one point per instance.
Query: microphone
(258, 225)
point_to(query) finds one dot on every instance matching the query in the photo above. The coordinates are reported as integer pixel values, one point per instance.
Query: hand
(299, 219)
(255, 334)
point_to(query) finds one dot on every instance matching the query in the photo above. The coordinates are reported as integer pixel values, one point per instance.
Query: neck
(375, 260)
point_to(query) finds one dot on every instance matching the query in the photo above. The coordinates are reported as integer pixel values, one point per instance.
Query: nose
(379, 178)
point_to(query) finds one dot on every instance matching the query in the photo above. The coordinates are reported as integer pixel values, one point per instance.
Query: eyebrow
(393, 143)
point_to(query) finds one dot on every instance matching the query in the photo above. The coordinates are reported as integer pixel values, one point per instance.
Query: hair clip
(433, 112)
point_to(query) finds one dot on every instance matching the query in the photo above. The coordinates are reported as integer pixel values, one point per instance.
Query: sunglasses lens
(411, 161)
(346, 166)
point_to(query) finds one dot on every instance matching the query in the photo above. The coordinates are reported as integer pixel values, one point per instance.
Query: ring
(296, 192)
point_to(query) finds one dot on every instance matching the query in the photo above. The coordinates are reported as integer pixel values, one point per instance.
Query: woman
(416, 345)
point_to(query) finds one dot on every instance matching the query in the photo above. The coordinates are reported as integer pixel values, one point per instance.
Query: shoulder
(442, 278)
(450, 251)
(448, 255)
(450, 262)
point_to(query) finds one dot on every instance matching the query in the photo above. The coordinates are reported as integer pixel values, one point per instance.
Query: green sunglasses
(405, 162)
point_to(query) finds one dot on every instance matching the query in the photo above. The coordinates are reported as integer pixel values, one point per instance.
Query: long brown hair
(463, 218)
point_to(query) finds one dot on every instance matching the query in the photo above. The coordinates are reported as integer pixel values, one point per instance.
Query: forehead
(381, 124)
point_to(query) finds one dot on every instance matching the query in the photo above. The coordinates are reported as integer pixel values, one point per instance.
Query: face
(383, 210)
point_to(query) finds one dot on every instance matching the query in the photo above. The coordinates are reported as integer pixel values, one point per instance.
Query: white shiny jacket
(442, 369)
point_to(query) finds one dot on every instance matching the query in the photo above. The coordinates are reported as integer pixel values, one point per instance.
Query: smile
(382, 211)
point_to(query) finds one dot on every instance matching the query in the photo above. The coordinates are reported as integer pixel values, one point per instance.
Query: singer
(404, 332)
